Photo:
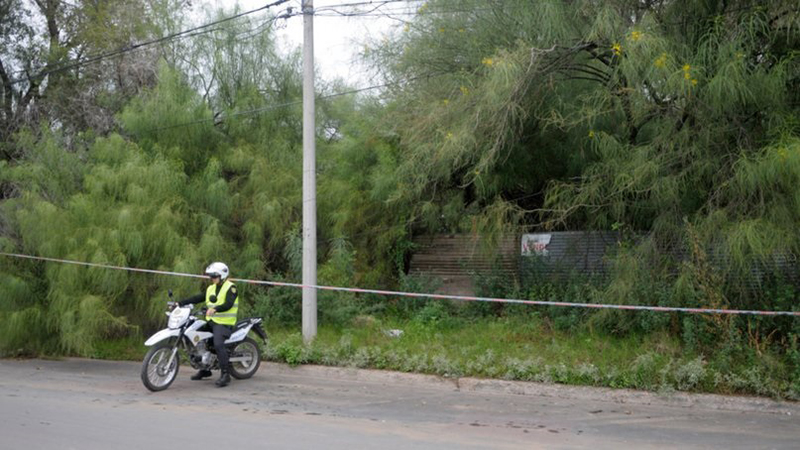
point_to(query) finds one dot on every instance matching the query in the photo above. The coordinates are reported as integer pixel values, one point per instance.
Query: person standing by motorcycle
(222, 303)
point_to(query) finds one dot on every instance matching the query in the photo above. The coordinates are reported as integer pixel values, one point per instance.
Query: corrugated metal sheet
(456, 258)
(461, 256)
(570, 253)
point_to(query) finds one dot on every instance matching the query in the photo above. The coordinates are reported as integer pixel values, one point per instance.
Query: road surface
(90, 404)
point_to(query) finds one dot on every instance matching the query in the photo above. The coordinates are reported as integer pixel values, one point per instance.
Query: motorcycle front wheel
(157, 373)
(245, 359)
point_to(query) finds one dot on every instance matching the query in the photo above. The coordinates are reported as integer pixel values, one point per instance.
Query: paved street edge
(493, 386)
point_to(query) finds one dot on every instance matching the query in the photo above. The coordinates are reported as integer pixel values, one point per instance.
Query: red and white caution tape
(425, 295)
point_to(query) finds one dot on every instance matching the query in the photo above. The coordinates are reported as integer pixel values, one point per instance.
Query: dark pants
(221, 332)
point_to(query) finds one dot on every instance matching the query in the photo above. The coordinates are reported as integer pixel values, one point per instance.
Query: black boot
(201, 374)
(224, 379)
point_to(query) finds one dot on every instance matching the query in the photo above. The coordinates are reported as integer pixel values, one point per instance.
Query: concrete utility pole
(309, 178)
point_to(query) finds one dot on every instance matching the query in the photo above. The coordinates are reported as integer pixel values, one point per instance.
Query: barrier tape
(426, 295)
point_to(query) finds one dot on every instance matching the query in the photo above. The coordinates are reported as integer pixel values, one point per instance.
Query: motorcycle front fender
(166, 333)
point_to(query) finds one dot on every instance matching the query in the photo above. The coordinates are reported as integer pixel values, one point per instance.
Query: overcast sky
(337, 39)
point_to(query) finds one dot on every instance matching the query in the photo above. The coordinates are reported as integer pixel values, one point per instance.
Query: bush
(644, 371)
(406, 307)
(292, 351)
(689, 375)
(279, 305)
(435, 313)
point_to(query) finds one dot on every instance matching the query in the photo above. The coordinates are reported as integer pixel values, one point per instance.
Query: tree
(673, 121)
(53, 64)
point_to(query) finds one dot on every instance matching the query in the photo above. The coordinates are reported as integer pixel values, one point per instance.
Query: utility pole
(309, 178)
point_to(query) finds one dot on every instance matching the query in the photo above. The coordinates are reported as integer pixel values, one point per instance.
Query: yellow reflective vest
(226, 317)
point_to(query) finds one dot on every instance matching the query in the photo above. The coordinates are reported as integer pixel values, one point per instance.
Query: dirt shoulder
(488, 386)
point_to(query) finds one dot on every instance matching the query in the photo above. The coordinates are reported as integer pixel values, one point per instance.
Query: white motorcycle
(160, 366)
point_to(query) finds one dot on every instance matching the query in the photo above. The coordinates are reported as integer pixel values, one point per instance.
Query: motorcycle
(188, 333)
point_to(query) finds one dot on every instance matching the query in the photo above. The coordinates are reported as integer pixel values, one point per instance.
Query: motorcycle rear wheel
(248, 349)
(156, 376)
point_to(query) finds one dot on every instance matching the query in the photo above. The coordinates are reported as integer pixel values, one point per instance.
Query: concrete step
(461, 270)
(440, 259)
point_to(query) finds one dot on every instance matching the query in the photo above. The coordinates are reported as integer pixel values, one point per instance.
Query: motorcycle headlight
(177, 317)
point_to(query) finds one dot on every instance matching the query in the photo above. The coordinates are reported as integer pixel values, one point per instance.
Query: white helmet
(217, 269)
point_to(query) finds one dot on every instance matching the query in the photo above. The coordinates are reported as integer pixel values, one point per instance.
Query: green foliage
(123, 216)
(43, 75)
(292, 350)
(46, 169)
(171, 196)
(278, 305)
(156, 117)
(518, 348)
(435, 313)
(676, 123)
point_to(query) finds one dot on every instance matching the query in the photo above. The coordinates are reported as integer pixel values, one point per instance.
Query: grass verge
(529, 350)
(520, 348)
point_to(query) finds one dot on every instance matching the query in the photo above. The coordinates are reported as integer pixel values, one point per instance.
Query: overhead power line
(376, 9)
(120, 51)
(292, 103)
(394, 10)
(269, 108)
(369, 6)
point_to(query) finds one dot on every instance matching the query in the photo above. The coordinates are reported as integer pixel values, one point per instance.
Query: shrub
(292, 351)
(279, 305)
(689, 375)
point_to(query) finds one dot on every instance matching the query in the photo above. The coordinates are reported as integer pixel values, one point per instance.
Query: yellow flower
(616, 48)
(661, 62)
(694, 81)
(445, 102)
(449, 135)
(636, 35)
(686, 74)
(441, 30)
(464, 90)
(591, 134)
(487, 61)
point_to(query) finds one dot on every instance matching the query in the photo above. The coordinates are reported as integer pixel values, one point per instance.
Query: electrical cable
(278, 106)
(320, 12)
(120, 51)
(716, 311)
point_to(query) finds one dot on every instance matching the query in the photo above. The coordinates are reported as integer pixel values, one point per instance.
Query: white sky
(337, 39)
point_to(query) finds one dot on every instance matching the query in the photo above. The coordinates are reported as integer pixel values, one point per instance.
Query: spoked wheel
(157, 372)
(245, 359)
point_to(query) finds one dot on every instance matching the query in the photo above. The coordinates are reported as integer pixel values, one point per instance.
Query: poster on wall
(535, 244)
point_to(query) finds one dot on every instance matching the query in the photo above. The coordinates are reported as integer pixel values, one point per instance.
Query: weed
(292, 351)
(689, 375)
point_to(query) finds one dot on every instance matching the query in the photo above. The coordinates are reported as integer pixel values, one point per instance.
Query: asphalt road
(88, 404)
